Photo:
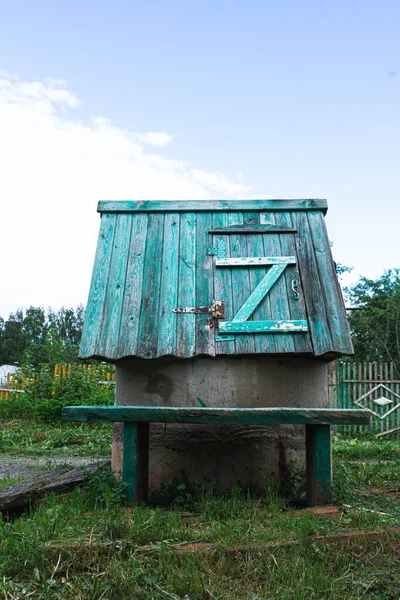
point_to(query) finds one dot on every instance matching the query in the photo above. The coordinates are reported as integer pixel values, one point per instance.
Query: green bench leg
(318, 457)
(135, 462)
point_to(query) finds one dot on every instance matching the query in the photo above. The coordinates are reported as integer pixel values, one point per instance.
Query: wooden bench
(136, 421)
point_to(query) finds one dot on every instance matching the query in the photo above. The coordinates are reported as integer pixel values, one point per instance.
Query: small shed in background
(216, 303)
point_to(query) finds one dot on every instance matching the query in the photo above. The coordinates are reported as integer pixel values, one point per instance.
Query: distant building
(6, 371)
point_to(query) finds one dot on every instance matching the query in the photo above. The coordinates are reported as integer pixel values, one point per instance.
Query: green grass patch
(31, 437)
(367, 446)
(90, 546)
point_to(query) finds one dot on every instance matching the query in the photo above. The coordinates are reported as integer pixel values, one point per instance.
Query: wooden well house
(217, 304)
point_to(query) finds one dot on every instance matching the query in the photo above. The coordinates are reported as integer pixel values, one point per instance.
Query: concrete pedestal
(218, 457)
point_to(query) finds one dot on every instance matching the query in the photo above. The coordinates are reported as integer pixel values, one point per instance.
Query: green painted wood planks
(266, 327)
(318, 465)
(98, 288)
(227, 416)
(208, 205)
(153, 257)
(130, 460)
(296, 308)
(252, 261)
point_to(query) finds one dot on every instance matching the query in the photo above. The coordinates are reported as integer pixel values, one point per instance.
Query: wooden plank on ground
(21, 495)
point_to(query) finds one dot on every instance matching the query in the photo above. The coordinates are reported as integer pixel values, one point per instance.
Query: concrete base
(218, 457)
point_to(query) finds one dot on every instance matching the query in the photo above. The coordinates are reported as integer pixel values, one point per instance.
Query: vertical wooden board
(378, 393)
(334, 303)
(372, 375)
(111, 319)
(395, 387)
(313, 292)
(318, 465)
(142, 471)
(148, 325)
(205, 335)
(360, 392)
(364, 386)
(354, 396)
(339, 393)
(98, 286)
(223, 281)
(241, 290)
(129, 462)
(186, 324)
(393, 415)
(302, 341)
(278, 294)
(265, 343)
(167, 321)
(255, 247)
(349, 391)
(346, 387)
(129, 330)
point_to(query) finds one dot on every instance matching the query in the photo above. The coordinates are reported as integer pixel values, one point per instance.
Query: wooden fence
(373, 386)
(18, 383)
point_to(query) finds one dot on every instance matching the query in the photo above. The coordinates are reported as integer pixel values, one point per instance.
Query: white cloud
(155, 138)
(53, 170)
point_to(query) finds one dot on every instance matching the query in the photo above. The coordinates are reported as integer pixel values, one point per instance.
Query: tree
(11, 342)
(376, 328)
(37, 338)
(68, 324)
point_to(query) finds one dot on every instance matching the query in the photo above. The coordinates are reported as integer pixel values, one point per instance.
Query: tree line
(376, 326)
(36, 337)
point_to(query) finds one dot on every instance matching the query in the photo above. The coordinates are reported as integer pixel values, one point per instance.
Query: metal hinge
(217, 309)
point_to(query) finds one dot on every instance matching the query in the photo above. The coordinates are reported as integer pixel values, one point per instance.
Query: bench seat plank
(225, 416)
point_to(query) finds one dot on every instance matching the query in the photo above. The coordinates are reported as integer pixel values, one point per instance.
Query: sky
(184, 99)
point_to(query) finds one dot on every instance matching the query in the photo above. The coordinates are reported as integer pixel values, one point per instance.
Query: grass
(33, 438)
(90, 547)
(367, 446)
(68, 550)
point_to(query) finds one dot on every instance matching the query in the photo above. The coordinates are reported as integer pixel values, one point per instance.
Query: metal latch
(217, 309)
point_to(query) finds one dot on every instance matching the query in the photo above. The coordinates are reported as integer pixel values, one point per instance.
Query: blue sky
(266, 99)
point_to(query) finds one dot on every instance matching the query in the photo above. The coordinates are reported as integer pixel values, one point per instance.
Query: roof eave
(127, 206)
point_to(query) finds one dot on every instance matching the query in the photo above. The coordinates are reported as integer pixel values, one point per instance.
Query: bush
(46, 395)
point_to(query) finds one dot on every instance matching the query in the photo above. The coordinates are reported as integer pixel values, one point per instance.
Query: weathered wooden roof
(189, 278)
